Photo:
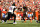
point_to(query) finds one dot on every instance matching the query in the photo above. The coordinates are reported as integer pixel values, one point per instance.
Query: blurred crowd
(30, 4)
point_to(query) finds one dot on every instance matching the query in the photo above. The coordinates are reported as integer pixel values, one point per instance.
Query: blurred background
(34, 5)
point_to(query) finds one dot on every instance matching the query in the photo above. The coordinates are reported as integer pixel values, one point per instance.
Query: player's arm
(14, 9)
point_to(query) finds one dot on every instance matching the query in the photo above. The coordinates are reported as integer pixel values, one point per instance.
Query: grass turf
(20, 24)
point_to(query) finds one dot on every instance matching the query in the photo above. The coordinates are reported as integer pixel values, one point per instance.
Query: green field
(20, 24)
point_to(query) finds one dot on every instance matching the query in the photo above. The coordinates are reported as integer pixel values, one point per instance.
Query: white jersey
(11, 9)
